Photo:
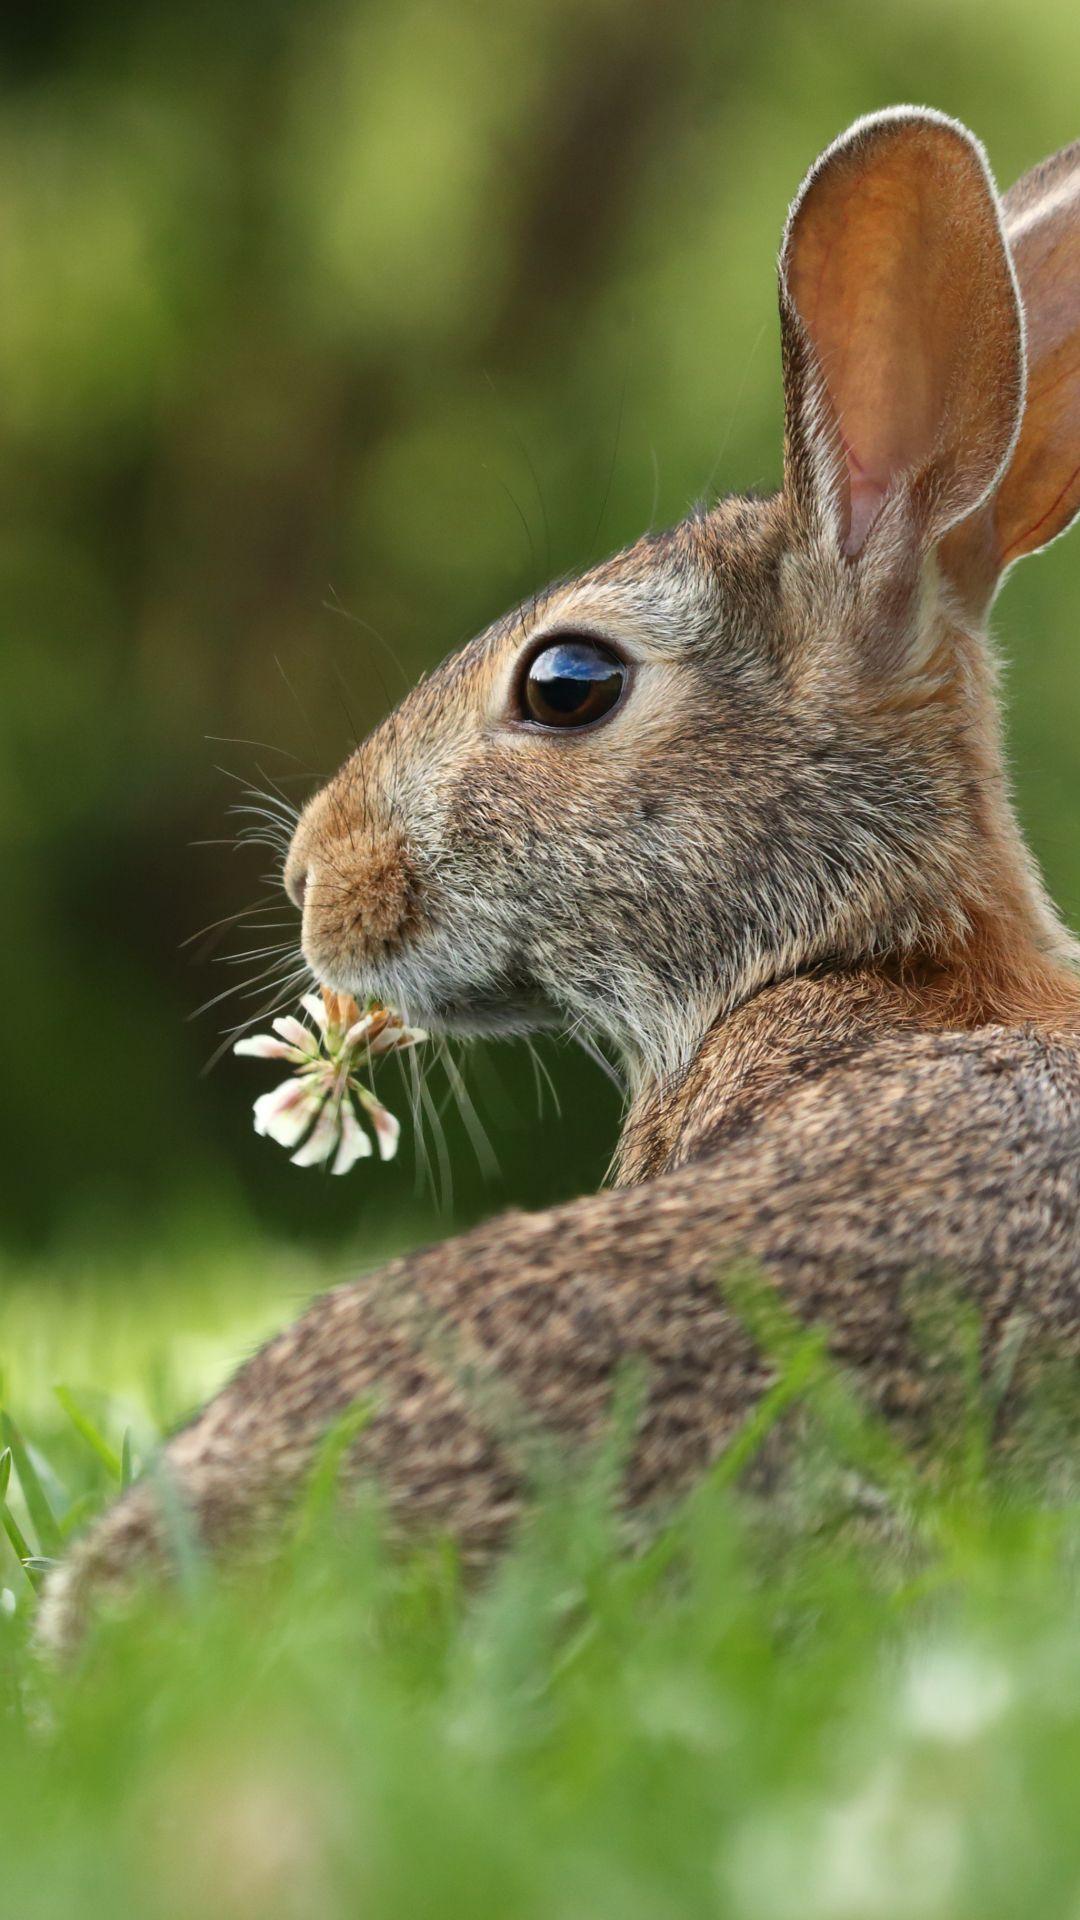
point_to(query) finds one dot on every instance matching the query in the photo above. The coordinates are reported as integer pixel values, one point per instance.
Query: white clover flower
(314, 1110)
(883, 1852)
(954, 1694)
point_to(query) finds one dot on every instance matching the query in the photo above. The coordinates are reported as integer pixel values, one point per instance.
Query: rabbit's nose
(296, 880)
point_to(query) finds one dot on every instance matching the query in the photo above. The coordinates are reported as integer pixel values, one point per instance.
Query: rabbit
(733, 801)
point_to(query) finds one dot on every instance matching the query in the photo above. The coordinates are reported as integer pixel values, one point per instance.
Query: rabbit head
(766, 739)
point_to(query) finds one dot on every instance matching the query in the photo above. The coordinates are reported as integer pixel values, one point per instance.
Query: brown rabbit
(734, 801)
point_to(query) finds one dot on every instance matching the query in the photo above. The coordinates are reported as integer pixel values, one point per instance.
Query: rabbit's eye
(572, 683)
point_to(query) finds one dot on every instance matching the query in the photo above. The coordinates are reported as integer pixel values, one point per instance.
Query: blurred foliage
(858, 1700)
(326, 331)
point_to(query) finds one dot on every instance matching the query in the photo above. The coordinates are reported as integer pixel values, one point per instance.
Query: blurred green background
(326, 330)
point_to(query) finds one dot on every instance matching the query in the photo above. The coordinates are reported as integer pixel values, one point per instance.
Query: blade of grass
(37, 1500)
(802, 1370)
(854, 1432)
(79, 1510)
(19, 1546)
(799, 1373)
(318, 1495)
(87, 1431)
(7, 1518)
(180, 1530)
(125, 1461)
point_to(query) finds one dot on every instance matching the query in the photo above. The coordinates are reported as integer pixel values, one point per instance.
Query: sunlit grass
(860, 1700)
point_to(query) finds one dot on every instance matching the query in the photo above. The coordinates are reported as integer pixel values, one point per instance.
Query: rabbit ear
(903, 341)
(1040, 493)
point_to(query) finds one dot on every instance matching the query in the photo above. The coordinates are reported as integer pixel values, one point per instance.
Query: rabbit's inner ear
(1040, 494)
(902, 332)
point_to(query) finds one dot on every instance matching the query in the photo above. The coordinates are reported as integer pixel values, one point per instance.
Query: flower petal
(322, 1139)
(387, 1129)
(358, 1033)
(354, 1145)
(300, 1037)
(286, 1112)
(263, 1046)
(396, 1039)
(312, 1004)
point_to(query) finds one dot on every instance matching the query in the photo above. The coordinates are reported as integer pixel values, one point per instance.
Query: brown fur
(784, 879)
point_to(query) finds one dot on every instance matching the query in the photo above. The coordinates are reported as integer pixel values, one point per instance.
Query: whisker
(242, 780)
(269, 905)
(655, 487)
(270, 809)
(235, 840)
(264, 746)
(509, 427)
(285, 993)
(445, 1197)
(598, 1057)
(335, 605)
(487, 1159)
(281, 796)
(255, 953)
(736, 403)
(245, 988)
(409, 1066)
(515, 503)
(540, 1067)
(295, 698)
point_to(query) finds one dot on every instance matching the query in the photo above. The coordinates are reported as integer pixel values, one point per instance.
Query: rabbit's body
(865, 1164)
(769, 855)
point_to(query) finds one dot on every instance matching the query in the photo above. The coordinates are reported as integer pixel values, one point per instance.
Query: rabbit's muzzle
(360, 900)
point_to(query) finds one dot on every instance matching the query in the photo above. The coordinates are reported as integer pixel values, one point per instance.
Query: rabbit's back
(921, 1155)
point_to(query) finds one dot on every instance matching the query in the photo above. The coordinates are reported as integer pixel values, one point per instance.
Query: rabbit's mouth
(429, 995)
(379, 926)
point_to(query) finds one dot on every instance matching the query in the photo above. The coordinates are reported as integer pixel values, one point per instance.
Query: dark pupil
(573, 682)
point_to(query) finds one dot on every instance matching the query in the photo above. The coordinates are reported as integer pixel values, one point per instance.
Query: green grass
(771, 1714)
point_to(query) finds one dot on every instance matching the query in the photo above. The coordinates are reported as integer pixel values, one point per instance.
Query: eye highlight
(571, 683)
